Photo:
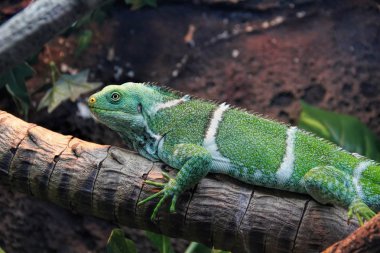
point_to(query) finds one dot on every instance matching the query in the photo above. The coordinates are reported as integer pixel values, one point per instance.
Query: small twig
(256, 27)
(365, 239)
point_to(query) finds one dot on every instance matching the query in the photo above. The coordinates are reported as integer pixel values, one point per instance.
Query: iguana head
(120, 107)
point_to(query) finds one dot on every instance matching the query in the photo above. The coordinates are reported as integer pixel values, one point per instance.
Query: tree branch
(365, 239)
(25, 33)
(107, 182)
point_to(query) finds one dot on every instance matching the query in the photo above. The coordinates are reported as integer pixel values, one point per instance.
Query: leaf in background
(83, 42)
(344, 130)
(14, 81)
(117, 243)
(196, 247)
(219, 251)
(137, 4)
(98, 15)
(161, 242)
(67, 87)
(2, 251)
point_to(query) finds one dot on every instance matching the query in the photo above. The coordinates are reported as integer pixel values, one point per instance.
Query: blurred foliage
(98, 15)
(161, 242)
(83, 42)
(344, 130)
(2, 251)
(14, 82)
(137, 4)
(117, 243)
(82, 30)
(196, 247)
(66, 87)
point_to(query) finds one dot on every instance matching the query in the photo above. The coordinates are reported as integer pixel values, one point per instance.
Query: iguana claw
(168, 190)
(361, 211)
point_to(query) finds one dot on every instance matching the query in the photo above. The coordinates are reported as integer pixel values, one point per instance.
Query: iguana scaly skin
(199, 137)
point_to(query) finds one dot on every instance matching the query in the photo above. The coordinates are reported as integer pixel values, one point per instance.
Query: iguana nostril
(91, 100)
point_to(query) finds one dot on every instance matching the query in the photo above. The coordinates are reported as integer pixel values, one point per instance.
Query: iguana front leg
(194, 163)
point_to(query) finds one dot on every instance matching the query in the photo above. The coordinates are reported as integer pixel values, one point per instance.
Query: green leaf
(98, 15)
(137, 4)
(84, 40)
(117, 243)
(196, 247)
(219, 251)
(161, 242)
(67, 87)
(344, 130)
(1, 250)
(14, 82)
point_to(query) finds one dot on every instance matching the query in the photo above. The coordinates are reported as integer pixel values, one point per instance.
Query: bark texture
(107, 182)
(28, 31)
(365, 239)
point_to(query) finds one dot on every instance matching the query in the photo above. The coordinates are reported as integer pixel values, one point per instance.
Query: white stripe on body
(287, 166)
(171, 103)
(220, 163)
(362, 166)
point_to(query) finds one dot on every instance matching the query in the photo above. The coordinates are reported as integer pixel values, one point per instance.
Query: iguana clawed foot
(361, 211)
(169, 189)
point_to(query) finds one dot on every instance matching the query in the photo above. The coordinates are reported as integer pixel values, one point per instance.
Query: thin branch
(26, 32)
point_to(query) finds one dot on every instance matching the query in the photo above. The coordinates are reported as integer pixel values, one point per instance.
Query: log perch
(107, 182)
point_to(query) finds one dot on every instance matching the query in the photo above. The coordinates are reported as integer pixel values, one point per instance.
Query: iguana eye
(115, 96)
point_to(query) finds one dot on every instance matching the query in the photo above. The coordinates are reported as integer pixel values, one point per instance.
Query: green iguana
(199, 137)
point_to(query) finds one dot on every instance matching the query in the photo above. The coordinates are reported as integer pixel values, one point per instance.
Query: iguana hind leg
(327, 184)
(194, 162)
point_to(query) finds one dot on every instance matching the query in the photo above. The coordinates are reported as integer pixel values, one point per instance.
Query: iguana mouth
(92, 108)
